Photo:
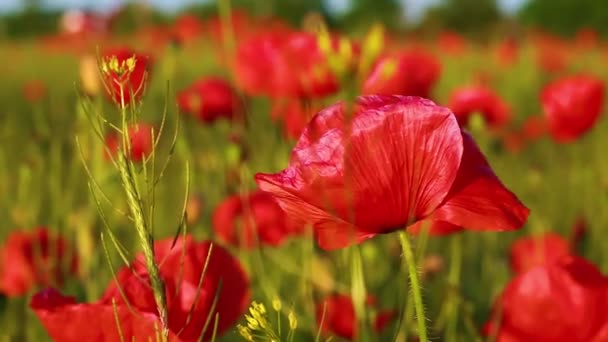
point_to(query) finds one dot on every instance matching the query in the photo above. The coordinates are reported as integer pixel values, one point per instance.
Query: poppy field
(241, 179)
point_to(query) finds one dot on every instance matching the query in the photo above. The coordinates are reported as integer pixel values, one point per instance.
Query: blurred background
(478, 19)
(506, 53)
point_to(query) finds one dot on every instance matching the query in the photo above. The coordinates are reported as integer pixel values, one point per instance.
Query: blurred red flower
(283, 64)
(467, 100)
(531, 251)
(30, 259)
(560, 301)
(413, 72)
(153, 38)
(140, 139)
(336, 315)
(125, 74)
(507, 51)
(243, 220)
(187, 28)
(399, 160)
(189, 307)
(587, 38)
(513, 141)
(452, 43)
(552, 54)
(534, 127)
(208, 99)
(572, 106)
(34, 91)
(294, 115)
(242, 25)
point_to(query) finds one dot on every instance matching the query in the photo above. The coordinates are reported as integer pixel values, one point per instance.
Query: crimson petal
(393, 164)
(65, 320)
(478, 200)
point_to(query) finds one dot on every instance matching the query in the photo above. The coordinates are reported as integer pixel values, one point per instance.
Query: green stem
(423, 239)
(358, 293)
(127, 176)
(146, 240)
(415, 284)
(225, 9)
(453, 283)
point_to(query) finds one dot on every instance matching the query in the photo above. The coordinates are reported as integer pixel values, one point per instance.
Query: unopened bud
(276, 304)
(293, 321)
(89, 77)
(194, 207)
(131, 61)
(432, 264)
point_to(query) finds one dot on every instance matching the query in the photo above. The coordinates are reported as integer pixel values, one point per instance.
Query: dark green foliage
(472, 17)
(565, 17)
(29, 23)
(363, 13)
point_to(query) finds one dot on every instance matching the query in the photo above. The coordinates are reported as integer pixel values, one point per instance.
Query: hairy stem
(144, 234)
(454, 280)
(415, 285)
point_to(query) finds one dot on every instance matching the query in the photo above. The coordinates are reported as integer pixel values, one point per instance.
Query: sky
(415, 8)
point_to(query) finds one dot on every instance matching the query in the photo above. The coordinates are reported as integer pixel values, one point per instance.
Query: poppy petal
(478, 200)
(436, 228)
(66, 320)
(394, 163)
(330, 232)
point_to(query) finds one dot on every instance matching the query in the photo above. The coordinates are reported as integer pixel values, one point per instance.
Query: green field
(53, 173)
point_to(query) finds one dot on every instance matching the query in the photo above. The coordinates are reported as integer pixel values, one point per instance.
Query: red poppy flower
(452, 43)
(507, 51)
(572, 105)
(32, 259)
(140, 136)
(208, 99)
(587, 38)
(243, 24)
(398, 161)
(336, 315)
(243, 220)
(66, 320)
(153, 38)
(189, 306)
(552, 54)
(534, 127)
(413, 72)
(125, 74)
(561, 301)
(531, 251)
(34, 91)
(513, 141)
(435, 228)
(187, 28)
(283, 64)
(468, 100)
